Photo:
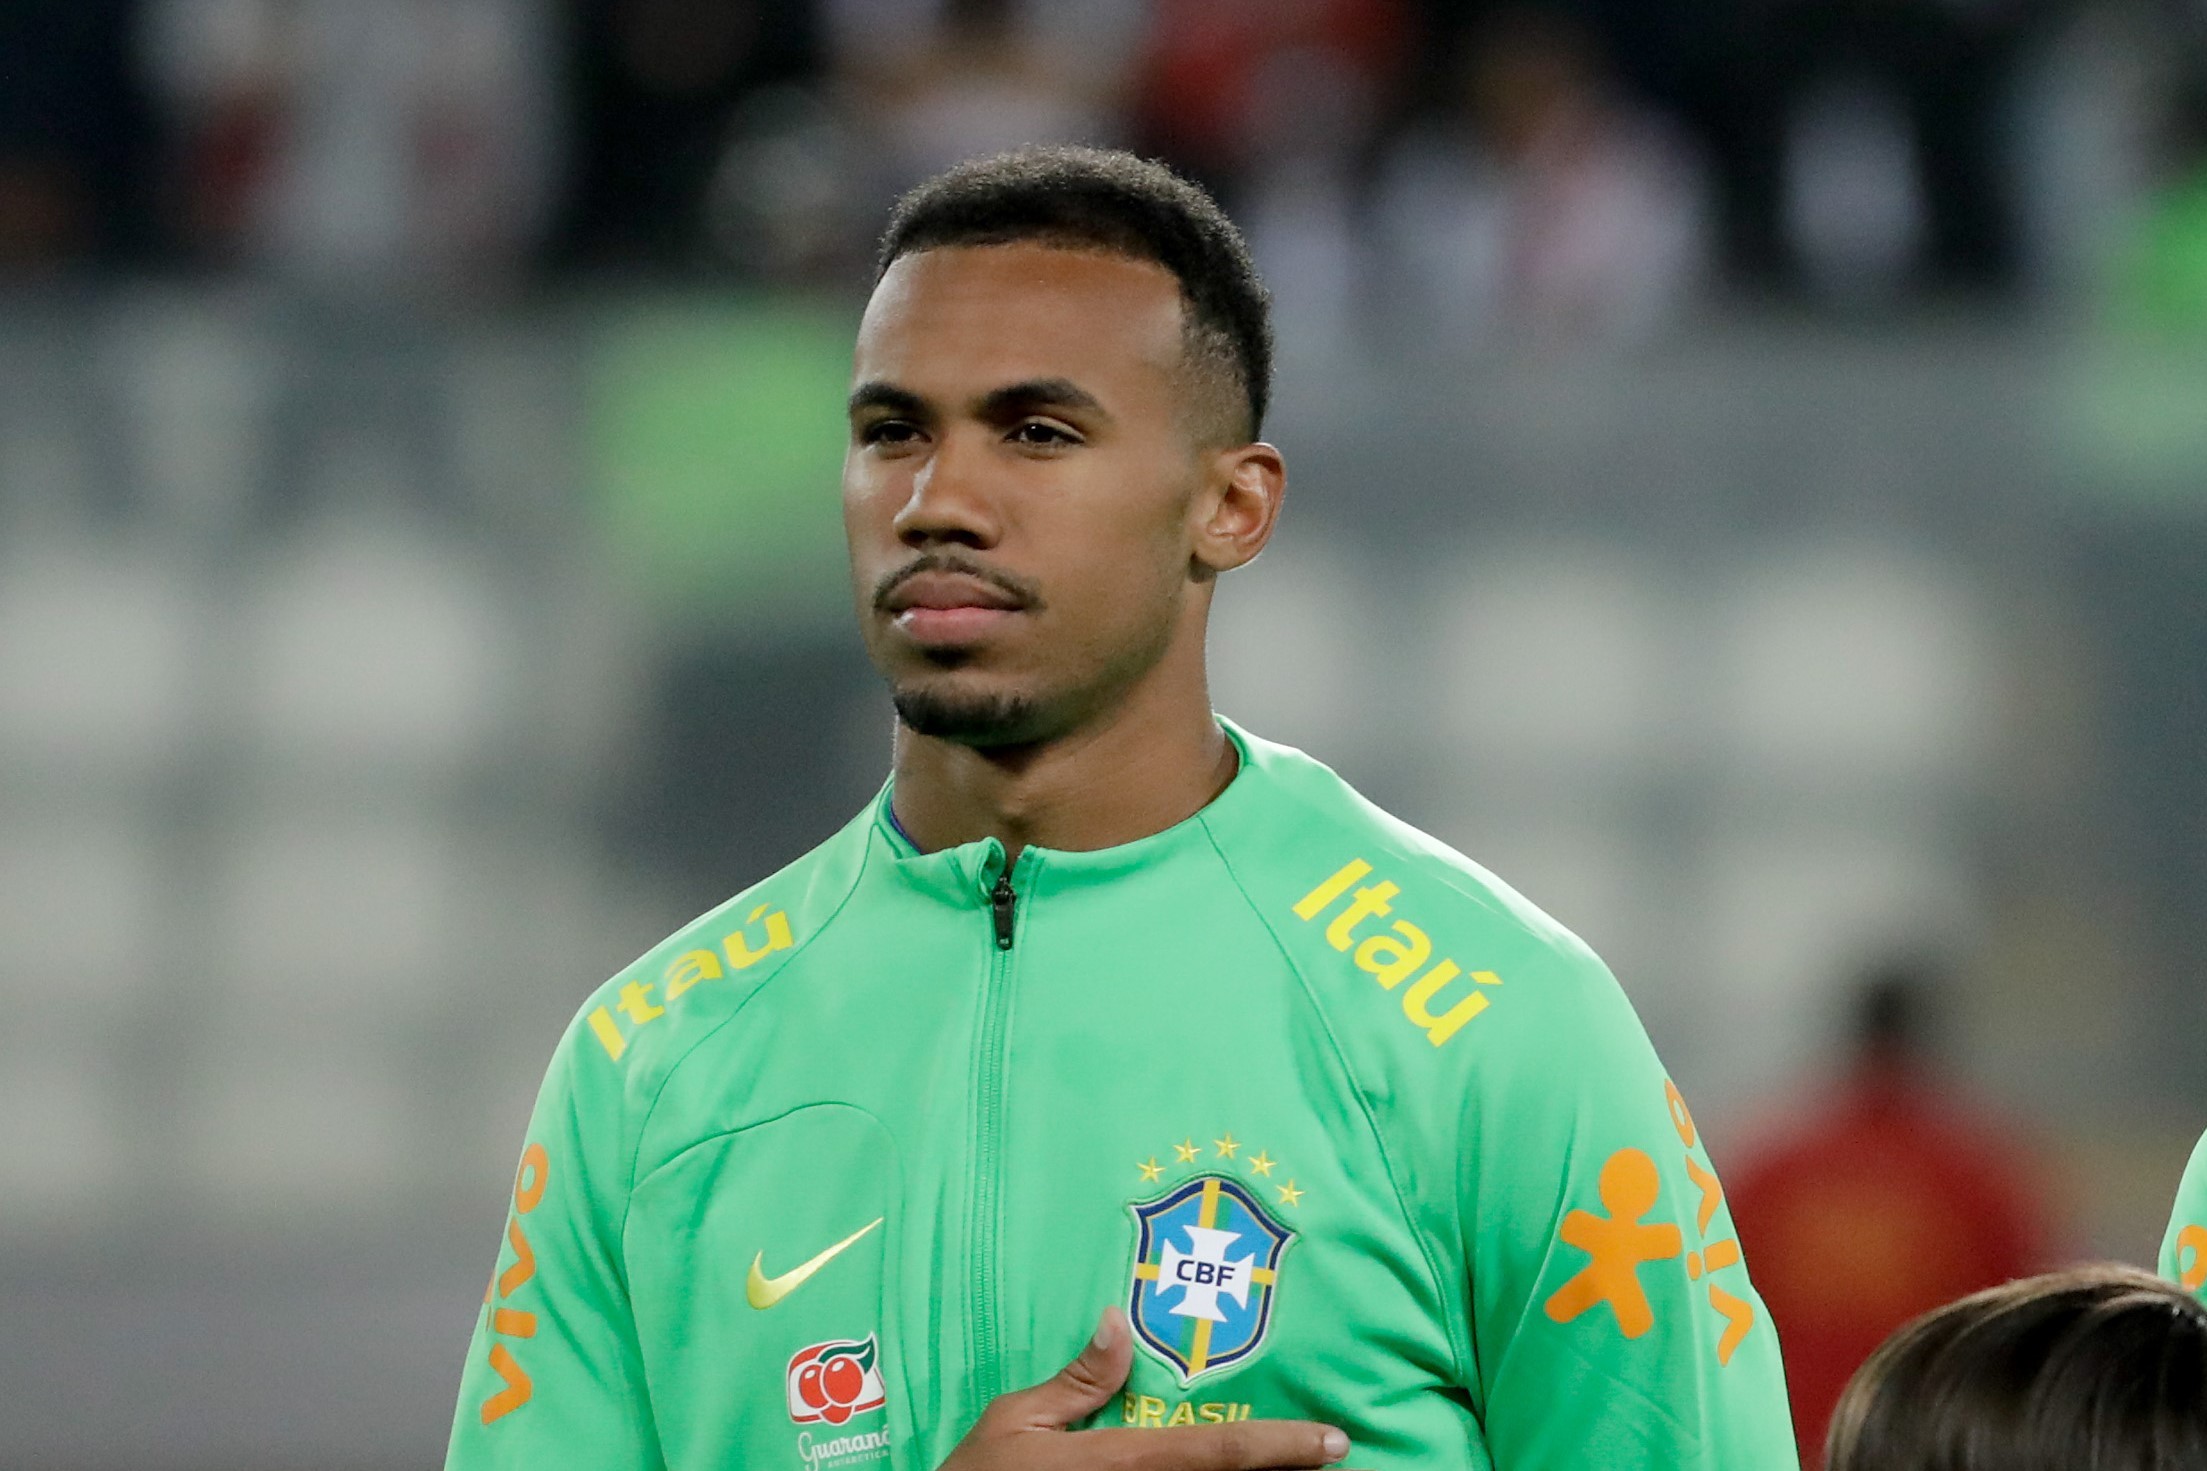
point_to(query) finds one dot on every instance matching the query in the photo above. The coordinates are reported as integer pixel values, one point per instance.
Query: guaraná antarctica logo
(835, 1380)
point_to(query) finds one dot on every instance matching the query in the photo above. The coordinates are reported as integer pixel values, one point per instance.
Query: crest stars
(1260, 1162)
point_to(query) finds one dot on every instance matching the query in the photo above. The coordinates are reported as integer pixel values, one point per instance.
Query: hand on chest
(850, 1283)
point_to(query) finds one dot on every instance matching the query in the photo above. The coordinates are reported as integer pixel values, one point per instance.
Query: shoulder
(2184, 1253)
(1353, 892)
(635, 1028)
(2191, 1193)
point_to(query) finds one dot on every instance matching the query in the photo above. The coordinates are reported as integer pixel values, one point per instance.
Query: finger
(1245, 1445)
(1079, 1389)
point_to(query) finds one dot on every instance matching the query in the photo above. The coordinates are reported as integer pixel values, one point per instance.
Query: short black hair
(1111, 201)
(2099, 1366)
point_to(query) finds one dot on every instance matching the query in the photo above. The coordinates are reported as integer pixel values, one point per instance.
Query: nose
(949, 500)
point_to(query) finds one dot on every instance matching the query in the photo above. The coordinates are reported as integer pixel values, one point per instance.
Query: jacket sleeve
(554, 1375)
(2184, 1253)
(1612, 1318)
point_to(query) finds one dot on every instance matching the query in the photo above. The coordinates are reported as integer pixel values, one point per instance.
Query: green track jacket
(1353, 1132)
(2184, 1253)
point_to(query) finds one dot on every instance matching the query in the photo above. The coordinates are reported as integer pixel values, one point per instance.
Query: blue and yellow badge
(1206, 1264)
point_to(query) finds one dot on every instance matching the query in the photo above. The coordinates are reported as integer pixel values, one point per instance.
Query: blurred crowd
(1576, 167)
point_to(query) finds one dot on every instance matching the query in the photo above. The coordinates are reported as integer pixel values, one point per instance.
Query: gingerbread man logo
(2192, 1239)
(1618, 1246)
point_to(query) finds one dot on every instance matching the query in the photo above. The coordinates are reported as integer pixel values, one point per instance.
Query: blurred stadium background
(1749, 488)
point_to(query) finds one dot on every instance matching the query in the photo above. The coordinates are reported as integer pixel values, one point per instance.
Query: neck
(1152, 760)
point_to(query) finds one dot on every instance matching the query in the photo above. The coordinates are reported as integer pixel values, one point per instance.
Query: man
(1103, 1003)
(1893, 1195)
(2184, 1253)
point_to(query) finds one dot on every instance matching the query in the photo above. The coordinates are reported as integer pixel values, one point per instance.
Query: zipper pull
(1001, 902)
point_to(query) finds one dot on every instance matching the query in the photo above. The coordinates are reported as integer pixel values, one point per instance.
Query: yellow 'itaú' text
(1391, 955)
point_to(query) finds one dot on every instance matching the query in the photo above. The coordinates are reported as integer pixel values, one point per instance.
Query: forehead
(977, 316)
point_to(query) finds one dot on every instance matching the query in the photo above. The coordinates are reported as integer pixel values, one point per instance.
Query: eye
(888, 432)
(1040, 433)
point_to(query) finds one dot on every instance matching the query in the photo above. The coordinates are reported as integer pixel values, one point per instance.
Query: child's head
(2095, 1369)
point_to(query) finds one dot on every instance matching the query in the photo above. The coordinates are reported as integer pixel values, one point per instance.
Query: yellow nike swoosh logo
(762, 1291)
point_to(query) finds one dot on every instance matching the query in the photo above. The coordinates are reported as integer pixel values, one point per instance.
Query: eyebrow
(875, 394)
(1034, 393)
(1059, 393)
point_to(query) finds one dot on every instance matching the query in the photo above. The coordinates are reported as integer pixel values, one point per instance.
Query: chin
(968, 717)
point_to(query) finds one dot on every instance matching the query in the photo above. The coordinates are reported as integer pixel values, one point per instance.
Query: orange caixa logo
(835, 1380)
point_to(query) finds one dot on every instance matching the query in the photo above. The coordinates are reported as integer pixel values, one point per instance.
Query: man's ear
(1238, 507)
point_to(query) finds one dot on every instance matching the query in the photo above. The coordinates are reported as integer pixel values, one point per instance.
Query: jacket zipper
(984, 1243)
(1003, 906)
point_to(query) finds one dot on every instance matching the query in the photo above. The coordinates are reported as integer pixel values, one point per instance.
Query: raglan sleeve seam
(1458, 1311)
(643, 1122)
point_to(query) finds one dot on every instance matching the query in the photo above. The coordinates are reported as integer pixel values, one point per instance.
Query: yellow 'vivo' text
(528, 1193)
(684, 972)
(1390, 956)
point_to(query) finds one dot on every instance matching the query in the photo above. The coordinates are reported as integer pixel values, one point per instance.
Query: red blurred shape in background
(1891, 1196)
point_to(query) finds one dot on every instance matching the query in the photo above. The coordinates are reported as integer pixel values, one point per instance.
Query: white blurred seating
(1293, 654)
(97, 647)
(62, 1147)
(80, 890)
(283, 1128)
(337, 908)
(371, 640)
(1843, 662)
(1556, 662)
(197, 382)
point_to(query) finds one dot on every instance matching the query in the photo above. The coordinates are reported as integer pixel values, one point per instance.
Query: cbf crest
(1206, 1266)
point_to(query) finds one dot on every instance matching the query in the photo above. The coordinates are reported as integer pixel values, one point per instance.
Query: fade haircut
(1109, 201)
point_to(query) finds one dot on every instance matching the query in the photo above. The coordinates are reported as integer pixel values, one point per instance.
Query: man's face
(1018, 486)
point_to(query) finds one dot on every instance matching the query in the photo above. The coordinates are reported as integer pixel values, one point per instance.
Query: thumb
(1085, 1385)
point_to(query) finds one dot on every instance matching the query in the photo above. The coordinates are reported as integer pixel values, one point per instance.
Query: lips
(945, 609)
(948, 591)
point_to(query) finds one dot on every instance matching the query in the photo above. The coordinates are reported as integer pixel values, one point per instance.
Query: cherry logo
(834, 1381)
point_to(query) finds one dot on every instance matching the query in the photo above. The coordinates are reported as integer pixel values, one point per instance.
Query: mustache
(1027, 595)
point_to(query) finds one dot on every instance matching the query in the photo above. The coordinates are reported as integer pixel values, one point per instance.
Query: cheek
(871, 501)
(862, 494)
(1126, 573)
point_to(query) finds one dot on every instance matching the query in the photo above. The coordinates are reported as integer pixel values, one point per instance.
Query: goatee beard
(981, 721)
